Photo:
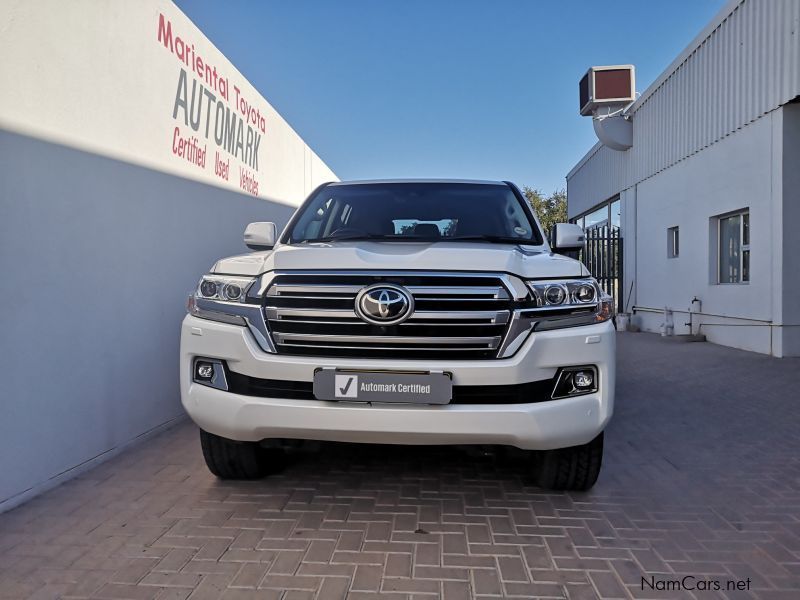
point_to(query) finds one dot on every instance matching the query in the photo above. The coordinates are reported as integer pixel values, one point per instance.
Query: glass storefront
(609, 213)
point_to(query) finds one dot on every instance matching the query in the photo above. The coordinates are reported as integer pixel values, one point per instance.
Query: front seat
(427, 230)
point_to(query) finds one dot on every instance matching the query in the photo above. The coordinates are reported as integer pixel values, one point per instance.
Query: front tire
(575, 468)
(228, 459)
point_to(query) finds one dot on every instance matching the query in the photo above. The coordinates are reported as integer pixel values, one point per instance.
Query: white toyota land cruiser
(404, 312)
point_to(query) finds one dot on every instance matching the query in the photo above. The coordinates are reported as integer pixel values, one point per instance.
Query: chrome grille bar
(494, 316)
(487, 341)
(393, 349)
(311, 290)
(465, 315)
(280, 289)
(490, 292)
(298, 314)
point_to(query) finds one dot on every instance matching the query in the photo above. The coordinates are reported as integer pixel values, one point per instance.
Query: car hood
(525, 261)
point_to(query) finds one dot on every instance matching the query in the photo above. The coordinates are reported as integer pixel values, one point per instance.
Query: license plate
(383, 386)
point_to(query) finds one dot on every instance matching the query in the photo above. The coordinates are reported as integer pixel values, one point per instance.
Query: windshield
(414, 212)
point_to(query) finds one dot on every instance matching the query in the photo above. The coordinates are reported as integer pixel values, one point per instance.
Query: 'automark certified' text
(396, 388)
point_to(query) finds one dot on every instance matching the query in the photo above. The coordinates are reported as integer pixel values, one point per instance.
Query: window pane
(729, 248)
(746, 229)
(409, 226)
(673, 242)
(615, 213)
(746, 265)
(597, 218)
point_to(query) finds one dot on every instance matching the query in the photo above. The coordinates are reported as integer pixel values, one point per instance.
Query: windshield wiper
(343, 238)
(495, 239)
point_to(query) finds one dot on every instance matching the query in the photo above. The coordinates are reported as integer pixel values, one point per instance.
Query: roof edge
(586, 157)
(368, 181)
(725, 12)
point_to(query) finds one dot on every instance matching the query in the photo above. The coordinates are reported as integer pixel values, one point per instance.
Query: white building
(132, 156)
(707, 199)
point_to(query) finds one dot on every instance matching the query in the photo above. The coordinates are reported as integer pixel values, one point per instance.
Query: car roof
(373, 181)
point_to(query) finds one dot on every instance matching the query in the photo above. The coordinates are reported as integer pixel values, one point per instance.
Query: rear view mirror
(260, 236)
(567, 236)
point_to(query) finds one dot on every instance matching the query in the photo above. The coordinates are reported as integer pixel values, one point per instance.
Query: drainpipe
(696, 306)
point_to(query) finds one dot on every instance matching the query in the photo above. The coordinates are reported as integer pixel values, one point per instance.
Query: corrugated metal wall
(603, 175)
(747, 65)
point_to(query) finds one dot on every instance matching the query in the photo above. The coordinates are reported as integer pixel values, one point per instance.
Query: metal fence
(602, 255)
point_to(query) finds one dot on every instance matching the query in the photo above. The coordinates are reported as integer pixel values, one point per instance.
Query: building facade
(707, 199)
(132, 156)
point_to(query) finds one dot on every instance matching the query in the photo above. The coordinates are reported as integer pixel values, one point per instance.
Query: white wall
(97, 257)
(94, 75)
(790, 237)
(104, 230)
(737, 172)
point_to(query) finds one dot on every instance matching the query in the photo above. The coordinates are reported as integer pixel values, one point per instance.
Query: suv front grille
(460, 316)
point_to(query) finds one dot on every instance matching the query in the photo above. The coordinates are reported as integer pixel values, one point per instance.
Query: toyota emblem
(384, 304)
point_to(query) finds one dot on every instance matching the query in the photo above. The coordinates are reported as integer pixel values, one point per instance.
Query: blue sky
(435, 88)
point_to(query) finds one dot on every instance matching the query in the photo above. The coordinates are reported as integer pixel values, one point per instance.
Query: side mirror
(567, 236)
(260, 236)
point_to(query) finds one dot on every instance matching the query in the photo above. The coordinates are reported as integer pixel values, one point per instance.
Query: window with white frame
(673, 242)
(733, 253)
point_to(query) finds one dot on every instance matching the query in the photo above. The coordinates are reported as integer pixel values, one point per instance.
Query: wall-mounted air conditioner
(605, 93)
(607, 86)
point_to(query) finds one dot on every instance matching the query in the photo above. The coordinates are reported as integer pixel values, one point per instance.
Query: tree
(551, 209)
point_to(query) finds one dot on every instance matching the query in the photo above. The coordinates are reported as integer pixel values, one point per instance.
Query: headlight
(555, 295)
(222, 287)
(220, 298)
(585, 293)
(570, 292)
(233, 300)
(208, 289)
(556, 304)
(568, 303)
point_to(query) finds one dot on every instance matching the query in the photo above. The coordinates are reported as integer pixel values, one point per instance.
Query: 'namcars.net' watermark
(691, 583)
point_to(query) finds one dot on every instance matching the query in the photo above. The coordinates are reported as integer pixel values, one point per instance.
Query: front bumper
(539, 425)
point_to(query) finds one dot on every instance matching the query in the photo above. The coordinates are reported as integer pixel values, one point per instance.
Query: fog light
(575, 381)
(210, 372)
(583, 379)
(205, 370)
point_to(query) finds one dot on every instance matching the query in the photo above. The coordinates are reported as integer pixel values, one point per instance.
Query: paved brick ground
(702, 477)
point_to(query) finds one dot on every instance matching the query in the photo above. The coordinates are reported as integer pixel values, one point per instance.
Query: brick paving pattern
(701, 477)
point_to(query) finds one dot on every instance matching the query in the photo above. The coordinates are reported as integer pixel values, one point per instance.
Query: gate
(602, 255)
